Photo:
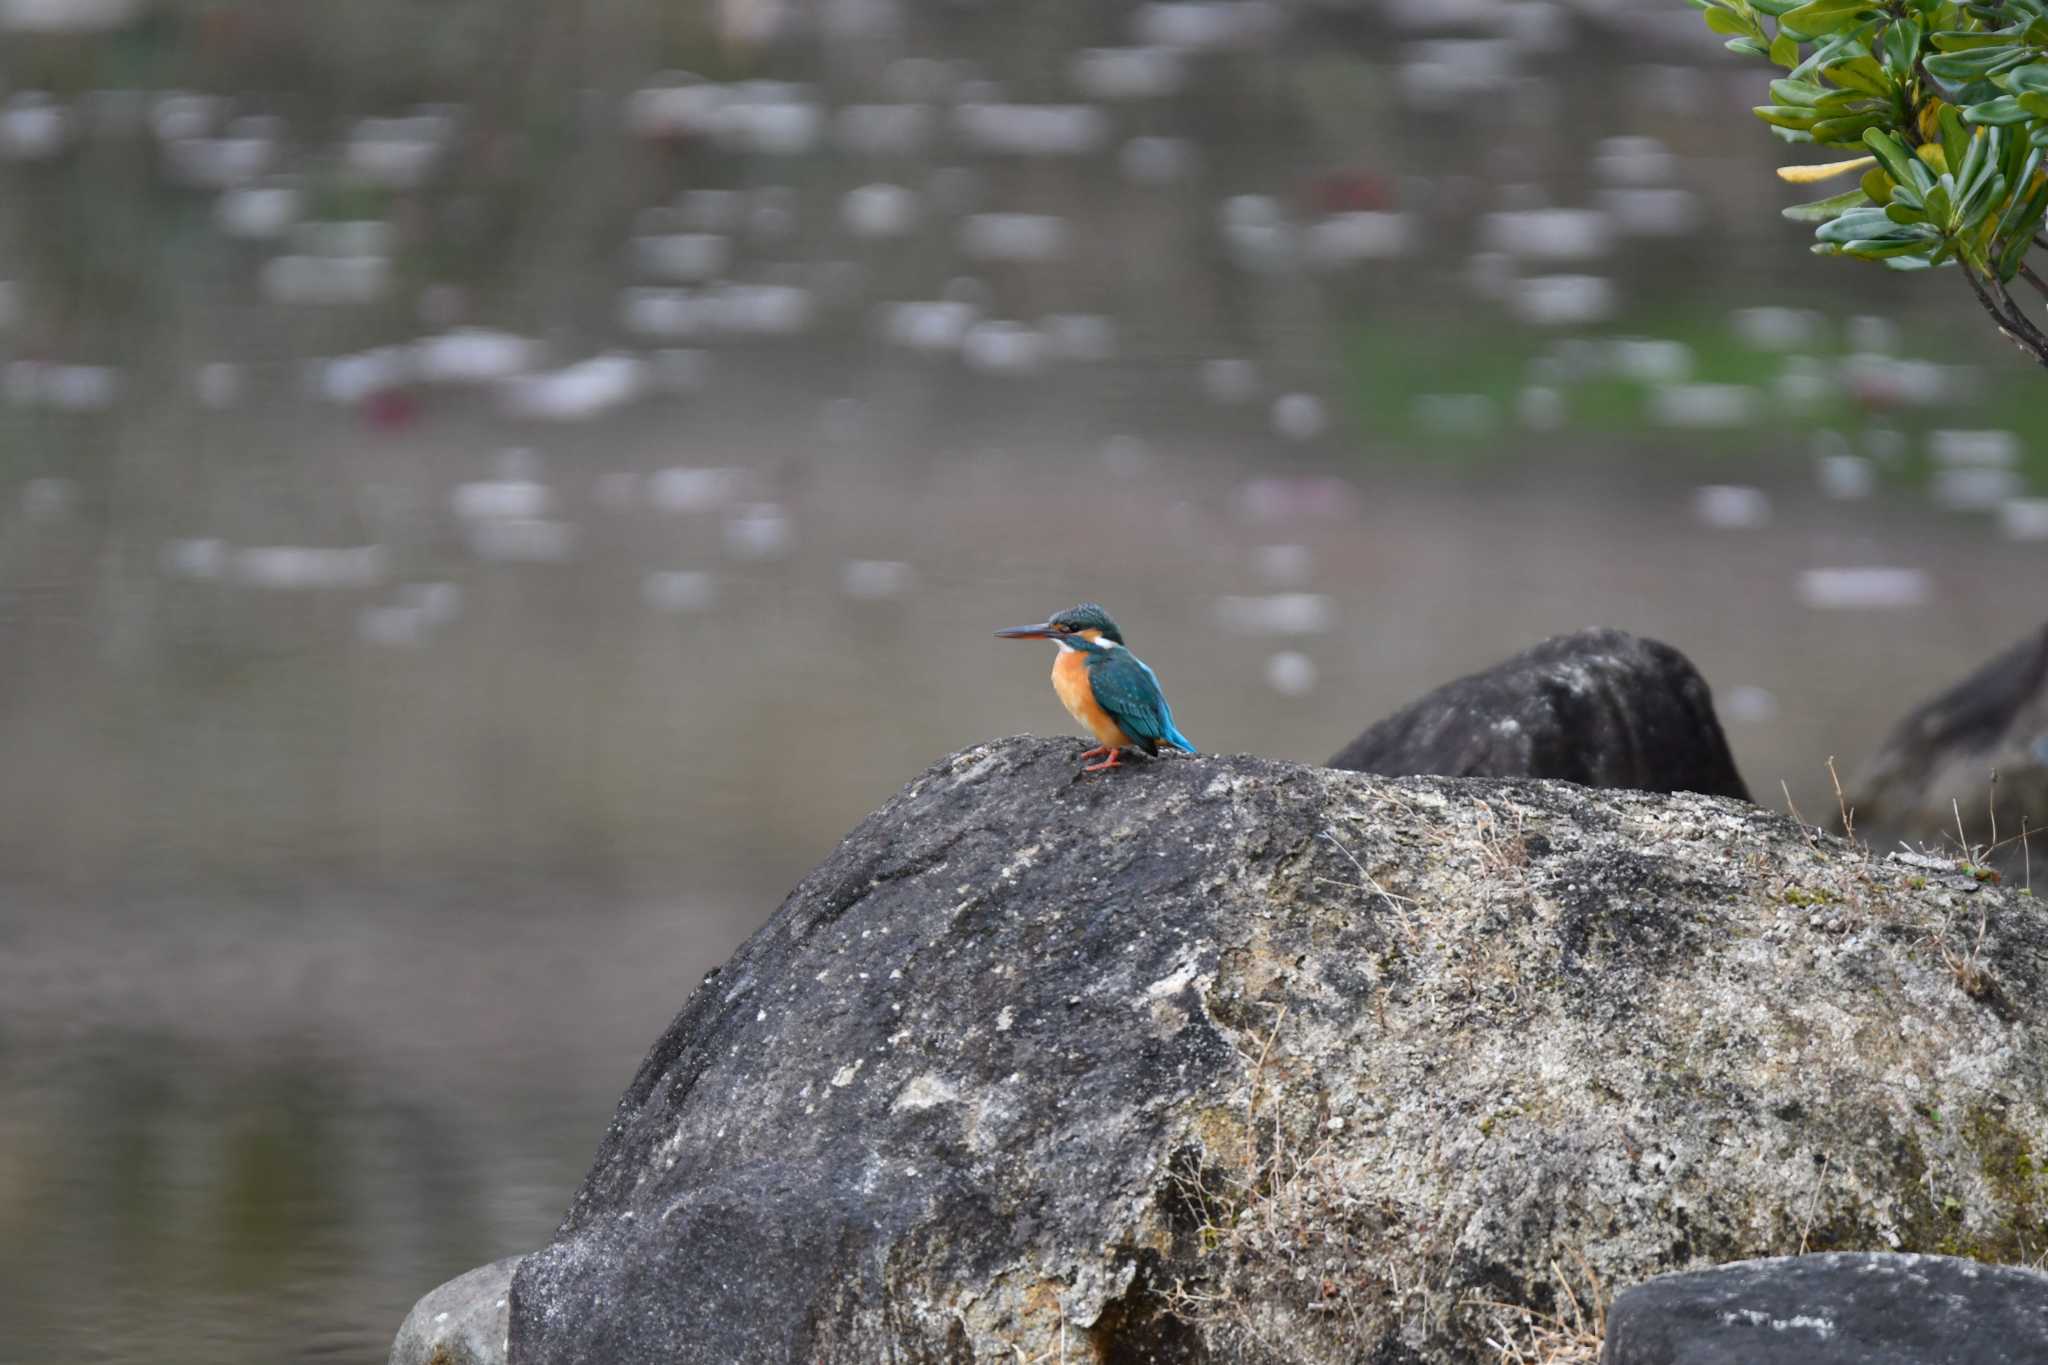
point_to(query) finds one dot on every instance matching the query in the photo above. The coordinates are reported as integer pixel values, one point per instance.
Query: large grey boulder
(1224, 1059)
(1844, 1308)
(1599, 707)
(1936, 764)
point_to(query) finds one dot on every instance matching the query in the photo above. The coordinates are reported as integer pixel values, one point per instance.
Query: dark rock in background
(1602, 708)
(464, 1322)
(1224, 1059)
(1937, 763)
(1842, 1309)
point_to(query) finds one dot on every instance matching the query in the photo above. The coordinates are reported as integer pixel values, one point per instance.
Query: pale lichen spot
(1004, 1018)
(925, 1090)
(1173, 983)
(1020, 860)
(843, 1077)
(1823, 1328)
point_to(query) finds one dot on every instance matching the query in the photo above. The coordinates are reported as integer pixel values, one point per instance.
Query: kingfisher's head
(1082, 626)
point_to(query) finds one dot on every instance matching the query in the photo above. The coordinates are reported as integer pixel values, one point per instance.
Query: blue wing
(1129, 691)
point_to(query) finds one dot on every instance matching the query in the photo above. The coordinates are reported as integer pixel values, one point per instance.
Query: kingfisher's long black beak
(1041, 631)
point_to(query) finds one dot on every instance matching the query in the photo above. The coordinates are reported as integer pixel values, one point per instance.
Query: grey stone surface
(1940, 757)
(464, 1322)
(1225, 1059)
(1837, 1309)
(1600, 707)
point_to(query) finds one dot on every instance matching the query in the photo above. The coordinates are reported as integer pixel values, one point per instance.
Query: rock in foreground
(1841, 1309)
(461, 1323)
(1234, 1060)
(1602, 708)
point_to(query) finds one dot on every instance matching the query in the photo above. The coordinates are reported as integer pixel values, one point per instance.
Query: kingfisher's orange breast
(1070, 680)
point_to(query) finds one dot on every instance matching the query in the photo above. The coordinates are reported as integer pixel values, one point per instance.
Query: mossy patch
(1940, 1220)
(2005, 1156)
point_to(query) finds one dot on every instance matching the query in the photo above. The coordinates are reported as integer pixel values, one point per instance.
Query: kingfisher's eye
(1063, 628)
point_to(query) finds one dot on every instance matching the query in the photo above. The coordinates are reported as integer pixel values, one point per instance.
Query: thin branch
(2015, 328)
(2037, 339)
(1983, 296)
(2040, 285)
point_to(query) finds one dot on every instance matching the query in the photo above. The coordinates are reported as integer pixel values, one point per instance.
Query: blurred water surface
(488, 496)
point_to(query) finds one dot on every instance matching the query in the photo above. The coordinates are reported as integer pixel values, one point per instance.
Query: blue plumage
(1127, 688)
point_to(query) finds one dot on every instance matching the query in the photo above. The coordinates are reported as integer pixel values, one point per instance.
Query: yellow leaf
(1808, 175)
(1928, 120)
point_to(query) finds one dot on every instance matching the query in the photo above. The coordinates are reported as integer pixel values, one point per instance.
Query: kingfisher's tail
(1178, 740)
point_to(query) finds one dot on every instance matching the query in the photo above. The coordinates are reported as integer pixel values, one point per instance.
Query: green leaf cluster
(1951, 101)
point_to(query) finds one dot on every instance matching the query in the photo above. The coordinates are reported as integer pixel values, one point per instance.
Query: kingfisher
(1104, 686)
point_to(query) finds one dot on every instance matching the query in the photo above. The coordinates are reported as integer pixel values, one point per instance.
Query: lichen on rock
(1231, 1059)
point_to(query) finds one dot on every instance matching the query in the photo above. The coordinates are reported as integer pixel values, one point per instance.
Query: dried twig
(1991, 805)
(1811, 832)
(1819, 1180)
(1570, 1336)
(1842, 803)
(1408, 928)
(1251, 1103)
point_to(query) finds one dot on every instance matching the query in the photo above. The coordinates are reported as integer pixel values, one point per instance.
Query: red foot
(1097, 752)
(1115, 760)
